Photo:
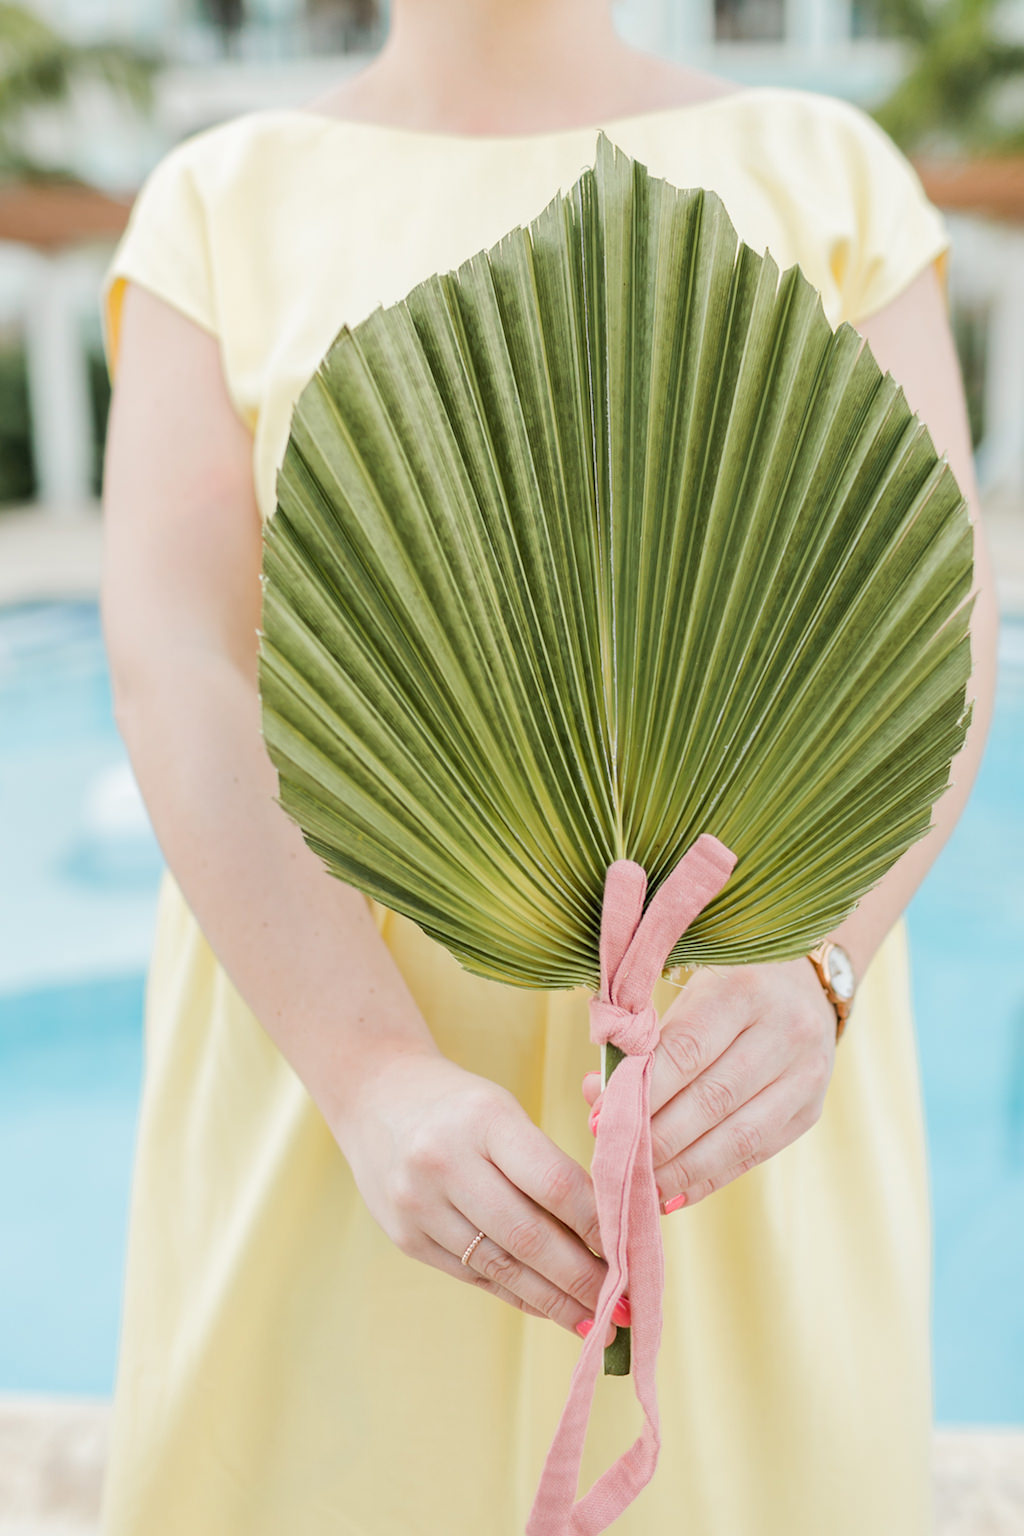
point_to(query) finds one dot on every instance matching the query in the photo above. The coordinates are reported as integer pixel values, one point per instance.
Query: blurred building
(222, 57)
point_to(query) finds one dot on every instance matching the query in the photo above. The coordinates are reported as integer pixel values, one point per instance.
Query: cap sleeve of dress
(164, 247)
(897, 232)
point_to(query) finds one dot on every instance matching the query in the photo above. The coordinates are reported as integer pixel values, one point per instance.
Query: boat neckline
(430, 135)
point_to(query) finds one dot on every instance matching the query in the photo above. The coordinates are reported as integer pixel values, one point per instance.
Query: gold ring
(477, 1240)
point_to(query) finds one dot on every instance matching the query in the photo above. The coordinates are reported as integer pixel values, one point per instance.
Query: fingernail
(595, 1117)
(621, 1314)
(674, 1205)
(584, 1326)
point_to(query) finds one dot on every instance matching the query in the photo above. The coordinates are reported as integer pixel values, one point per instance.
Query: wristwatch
(835, 972)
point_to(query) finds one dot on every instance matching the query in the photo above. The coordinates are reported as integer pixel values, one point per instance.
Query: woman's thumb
(591, 1086)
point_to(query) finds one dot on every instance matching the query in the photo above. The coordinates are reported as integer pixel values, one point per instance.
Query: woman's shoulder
(797, 103)
(831, 137)
(230, 175)
(817, 119)
(200, 211)
(806, 149)
(234, 144)
(856, 210)
(816, 150)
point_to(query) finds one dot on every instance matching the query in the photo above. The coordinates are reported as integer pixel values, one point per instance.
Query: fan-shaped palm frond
(601, 541)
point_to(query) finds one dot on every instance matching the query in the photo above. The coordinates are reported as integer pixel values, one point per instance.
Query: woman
(334, 1114)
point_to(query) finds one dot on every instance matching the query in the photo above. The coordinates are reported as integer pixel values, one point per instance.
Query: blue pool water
(966, 928)
(78, 877)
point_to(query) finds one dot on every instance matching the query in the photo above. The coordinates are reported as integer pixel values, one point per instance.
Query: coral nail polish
(584, 1326)
(674, 1205)
(593, 1122)
(622, 1316)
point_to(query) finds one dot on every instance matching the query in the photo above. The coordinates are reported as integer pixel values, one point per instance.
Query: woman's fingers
(702, 1023)
(534, 1164)
(695, 1193)
(712, 1009)
(755, 1059)
(526, 1250)
(442, 1258)
(761, 1092)
(760, 1128)
(741, 1070)
(491, 1268)
(441, 1153)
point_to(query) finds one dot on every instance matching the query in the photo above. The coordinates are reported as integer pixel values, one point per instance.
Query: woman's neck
(508, 67)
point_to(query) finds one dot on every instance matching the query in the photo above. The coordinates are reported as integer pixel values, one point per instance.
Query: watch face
(840, 972)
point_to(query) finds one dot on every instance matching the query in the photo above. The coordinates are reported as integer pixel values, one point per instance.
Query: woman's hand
(439, 1153)
(741, 1070)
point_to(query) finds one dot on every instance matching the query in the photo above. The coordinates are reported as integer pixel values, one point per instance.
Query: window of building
(343, 25)
(290, 28)
(750, 21)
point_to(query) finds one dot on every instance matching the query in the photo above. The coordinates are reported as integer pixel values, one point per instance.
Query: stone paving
(50, 554)
(52, 1455)
(52, 1450)
(1003, 520)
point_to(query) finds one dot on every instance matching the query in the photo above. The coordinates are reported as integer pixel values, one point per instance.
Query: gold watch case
(835, 972)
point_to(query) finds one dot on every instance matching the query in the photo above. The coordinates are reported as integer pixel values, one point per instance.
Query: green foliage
(99, 403)
(17, 462)
(17, 467)
(40, 68)
(970, 325)
(601, 541)
(958, 63)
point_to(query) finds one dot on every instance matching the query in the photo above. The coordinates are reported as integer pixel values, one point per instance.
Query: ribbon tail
(634, 945)
(627, 1210)
(619, 1485)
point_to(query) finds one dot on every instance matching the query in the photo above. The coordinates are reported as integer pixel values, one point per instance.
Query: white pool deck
(53, 1449)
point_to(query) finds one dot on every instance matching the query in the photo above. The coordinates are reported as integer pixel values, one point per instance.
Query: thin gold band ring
(474, 1244)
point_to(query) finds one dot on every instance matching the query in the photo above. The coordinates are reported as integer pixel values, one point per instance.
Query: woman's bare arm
(180, 601)
(912, 338)
(436, 1151)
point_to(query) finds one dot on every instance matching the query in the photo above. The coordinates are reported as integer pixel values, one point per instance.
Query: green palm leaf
(603, 540)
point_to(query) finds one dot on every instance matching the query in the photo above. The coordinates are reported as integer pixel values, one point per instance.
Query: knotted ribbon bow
(634, 947)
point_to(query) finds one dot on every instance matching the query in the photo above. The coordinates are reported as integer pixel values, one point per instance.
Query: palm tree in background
(963, 68)
(40, 68)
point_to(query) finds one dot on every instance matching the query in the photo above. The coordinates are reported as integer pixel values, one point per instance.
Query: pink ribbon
(634, 948)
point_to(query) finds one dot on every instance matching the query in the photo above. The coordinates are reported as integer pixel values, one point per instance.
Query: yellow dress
(284, 1370)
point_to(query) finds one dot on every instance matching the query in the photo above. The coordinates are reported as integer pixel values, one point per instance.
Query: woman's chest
(292, 267)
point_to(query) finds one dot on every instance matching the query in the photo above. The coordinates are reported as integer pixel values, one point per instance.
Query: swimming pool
(78, 883)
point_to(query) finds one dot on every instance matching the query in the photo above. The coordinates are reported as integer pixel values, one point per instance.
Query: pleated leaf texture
(600, 541)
